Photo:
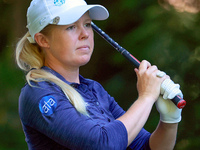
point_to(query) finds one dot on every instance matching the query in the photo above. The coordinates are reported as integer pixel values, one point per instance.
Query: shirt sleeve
(141, 141)
(115, 109)
(66, 126)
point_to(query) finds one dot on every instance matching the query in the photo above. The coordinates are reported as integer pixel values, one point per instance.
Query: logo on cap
(47, 105)
(59, 2)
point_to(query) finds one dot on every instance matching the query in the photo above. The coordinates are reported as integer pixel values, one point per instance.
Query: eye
(70, 27)
(88, 25)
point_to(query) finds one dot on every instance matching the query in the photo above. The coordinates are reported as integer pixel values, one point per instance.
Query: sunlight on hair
(190, 6)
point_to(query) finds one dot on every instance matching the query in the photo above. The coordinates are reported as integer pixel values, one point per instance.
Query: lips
(84, 47)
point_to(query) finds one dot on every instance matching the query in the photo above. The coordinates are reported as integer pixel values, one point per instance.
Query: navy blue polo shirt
(50, 121)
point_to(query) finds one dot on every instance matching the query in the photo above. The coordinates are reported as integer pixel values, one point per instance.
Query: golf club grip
(178, 101)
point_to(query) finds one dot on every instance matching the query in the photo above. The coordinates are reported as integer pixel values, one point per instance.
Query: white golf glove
(169, 113)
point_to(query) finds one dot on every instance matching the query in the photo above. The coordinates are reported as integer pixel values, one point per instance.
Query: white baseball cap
(60, 12)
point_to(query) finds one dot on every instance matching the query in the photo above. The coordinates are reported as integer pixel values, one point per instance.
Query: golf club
(177, 100)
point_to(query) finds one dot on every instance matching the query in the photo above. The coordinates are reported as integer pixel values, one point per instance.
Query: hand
(148, 84)
(169, 113)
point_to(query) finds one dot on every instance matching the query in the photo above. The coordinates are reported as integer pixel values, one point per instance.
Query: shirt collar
(82, 79)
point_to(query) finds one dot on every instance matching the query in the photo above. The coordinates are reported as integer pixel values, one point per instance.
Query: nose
(84, 33)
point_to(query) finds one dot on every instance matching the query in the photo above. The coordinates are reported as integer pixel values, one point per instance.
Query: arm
(136, 116)
(148, 89)
(142, 139)
(164, 137)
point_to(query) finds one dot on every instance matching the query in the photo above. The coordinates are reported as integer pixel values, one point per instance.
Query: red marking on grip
(181, 104)
(135, 58)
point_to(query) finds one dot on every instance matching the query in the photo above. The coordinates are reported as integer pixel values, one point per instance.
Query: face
(70, 46)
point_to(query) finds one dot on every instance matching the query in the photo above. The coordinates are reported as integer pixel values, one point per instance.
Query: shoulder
(34, 97)
(38, 90)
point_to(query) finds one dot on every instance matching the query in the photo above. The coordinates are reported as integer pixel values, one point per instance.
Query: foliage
(166, 38)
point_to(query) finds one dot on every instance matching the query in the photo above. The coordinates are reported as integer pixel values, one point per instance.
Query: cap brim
(96, 12)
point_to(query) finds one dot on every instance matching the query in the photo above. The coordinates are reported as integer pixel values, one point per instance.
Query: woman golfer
(60, 109)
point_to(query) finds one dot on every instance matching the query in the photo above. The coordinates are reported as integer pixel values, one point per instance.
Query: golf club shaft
(177, 100)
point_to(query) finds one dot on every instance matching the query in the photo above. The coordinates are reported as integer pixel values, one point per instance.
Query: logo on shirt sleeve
(47, 105)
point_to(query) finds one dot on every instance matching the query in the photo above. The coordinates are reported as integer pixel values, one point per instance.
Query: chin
(83, 62)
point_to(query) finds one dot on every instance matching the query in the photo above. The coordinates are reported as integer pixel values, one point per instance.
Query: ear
(41, 40)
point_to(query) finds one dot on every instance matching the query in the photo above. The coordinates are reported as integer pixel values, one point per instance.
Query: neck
(70, 74)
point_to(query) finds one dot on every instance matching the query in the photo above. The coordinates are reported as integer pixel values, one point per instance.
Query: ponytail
(28, 55)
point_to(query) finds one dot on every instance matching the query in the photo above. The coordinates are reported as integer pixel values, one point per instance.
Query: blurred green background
(166, 38)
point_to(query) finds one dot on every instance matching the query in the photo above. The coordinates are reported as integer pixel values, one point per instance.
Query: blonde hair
(29, 56)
